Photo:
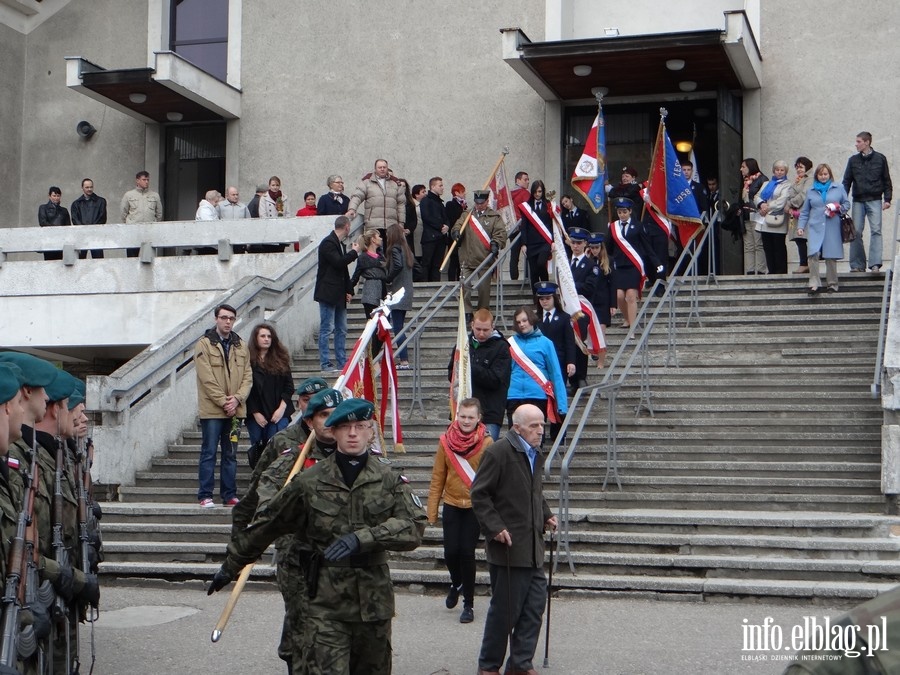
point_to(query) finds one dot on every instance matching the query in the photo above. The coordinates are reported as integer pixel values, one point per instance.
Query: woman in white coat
(771, 203)
(820, 221)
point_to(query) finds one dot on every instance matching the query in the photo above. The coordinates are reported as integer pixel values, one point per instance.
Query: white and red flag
(501, 199)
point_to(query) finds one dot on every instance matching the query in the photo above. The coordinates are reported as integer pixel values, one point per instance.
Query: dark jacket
(506, 495)
(329, 206)
(434, 216)
(559, 331)
(699, 196)
(89, 211)
(870, 177)
(332, 275)
(373, 273)
(491, 366)
(268, 391)
(253, 206)
(534, 240)
(636, 235)
(586, 276)
(50, 214)
(454, 210)
(575, 218)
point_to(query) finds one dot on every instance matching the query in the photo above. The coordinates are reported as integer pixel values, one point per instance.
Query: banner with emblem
(501, 200)
(589, 177)
(668, 191)
(461, 373)
(593, 341)
(568, 295)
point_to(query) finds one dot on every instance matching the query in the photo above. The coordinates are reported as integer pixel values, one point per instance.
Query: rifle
(83, 484)
(60, 554)
(14, 588)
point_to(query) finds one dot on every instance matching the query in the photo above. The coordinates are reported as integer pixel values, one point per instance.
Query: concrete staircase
(757, 475)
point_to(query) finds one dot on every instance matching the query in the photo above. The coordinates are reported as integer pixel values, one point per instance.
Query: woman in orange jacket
(455, 463)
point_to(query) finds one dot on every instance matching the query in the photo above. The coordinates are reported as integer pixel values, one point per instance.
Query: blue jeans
(398, 318)
(332, 319)
(494, 431)
(860, 211)
(217, 432)
(256, 432)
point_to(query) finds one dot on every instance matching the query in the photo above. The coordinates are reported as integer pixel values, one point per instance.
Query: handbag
(848, 232)
(775, 219)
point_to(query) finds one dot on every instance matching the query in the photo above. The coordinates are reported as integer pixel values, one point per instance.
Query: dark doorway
(194, 163)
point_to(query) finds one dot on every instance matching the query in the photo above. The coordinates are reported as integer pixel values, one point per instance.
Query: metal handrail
(610, 385)
(882, 324)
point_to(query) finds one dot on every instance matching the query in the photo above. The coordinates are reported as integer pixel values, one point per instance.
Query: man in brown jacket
(224, 379)
(508, 499)
(485, 235)
(381, 199)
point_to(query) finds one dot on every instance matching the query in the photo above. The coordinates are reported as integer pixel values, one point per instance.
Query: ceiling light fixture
(683, 146)
(174, 116)
(582, 70)
(137, 97)
(687, 85)
(600, 91)
(611, 32)
(675, 64)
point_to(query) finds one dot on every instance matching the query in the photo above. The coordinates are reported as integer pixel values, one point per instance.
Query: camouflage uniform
(349, 619)
(290, 573)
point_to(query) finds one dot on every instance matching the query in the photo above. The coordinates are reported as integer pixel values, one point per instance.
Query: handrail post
(417, 379)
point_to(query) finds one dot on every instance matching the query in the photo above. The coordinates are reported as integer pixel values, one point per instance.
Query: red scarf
(275, 195)
(465, 444)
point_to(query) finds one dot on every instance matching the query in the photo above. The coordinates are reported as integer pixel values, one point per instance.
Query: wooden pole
(462, 229)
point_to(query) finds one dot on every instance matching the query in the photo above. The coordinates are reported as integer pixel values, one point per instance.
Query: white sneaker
(207, 503)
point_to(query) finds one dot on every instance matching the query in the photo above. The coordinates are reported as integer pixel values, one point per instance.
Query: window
(200, 34)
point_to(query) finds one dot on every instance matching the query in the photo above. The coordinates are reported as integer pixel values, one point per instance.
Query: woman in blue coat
(820, 222)
(540, 351)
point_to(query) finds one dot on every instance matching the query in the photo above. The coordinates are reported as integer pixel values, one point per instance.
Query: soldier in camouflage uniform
(350, 508)
(289, 574)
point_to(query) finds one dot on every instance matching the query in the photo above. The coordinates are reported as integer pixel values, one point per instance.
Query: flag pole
(487, 184)
(362, 343)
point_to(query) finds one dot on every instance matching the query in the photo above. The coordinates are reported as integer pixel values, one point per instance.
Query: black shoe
(453, 597)
(468, 615)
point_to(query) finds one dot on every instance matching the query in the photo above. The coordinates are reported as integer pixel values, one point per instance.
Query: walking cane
(549, 597)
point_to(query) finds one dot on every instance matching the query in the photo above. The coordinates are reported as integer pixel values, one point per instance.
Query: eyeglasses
(229, 319)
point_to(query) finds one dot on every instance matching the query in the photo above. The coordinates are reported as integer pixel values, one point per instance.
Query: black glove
(65, 583)
(455, 236)
(219, 581)
(495, 249)
(40, 620)
(90, 592)
(342, 548)
(98, 512)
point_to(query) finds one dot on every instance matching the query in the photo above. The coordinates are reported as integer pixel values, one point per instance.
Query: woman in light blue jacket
(820, 221)
(540, 351)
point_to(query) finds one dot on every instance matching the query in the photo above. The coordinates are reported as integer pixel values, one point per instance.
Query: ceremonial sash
(461, 465)
(618, 236)
(664, 223)
(594, 342)
(479, 231)
(536, 221)
(526, 364)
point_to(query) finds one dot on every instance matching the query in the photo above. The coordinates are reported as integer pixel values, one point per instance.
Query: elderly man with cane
(507, 496)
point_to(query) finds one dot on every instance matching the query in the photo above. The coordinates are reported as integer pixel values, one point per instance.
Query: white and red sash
(479, 231)
(462, 467)
(664, 223)
(536, 221)
(526, 364)
(618, 235)
(594, 342)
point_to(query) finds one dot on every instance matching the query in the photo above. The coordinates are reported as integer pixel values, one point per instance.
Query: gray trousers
(831, 277)
(519, 599)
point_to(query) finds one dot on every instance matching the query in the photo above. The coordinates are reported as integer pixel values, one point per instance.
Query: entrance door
(729, 129)
(194, 164)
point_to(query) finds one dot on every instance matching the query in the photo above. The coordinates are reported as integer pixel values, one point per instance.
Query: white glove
(831, 209)
(659, 269)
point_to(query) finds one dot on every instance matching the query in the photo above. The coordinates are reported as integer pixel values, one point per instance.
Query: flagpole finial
(663, 113)
(505, 150)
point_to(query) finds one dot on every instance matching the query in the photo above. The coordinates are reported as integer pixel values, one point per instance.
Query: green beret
(322, 400)
(37, 372)
(9, 383)
(77, 396)
(62, 386)
(311, 385)
(15, 370)
(351, 410)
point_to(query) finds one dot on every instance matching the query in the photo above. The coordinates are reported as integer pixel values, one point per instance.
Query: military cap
(10, 383)
(544, 288)
(630, 170)
(77, 396)
(63, 386)
(481, 196)
(624, 203)
(596, 238)
(579, 234)
(311, 385)
(37, 372)
(351, 410)
(322, 400)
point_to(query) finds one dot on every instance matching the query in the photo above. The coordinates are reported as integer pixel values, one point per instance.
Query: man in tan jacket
(224, 379)
(141, 205)
(381, 199)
